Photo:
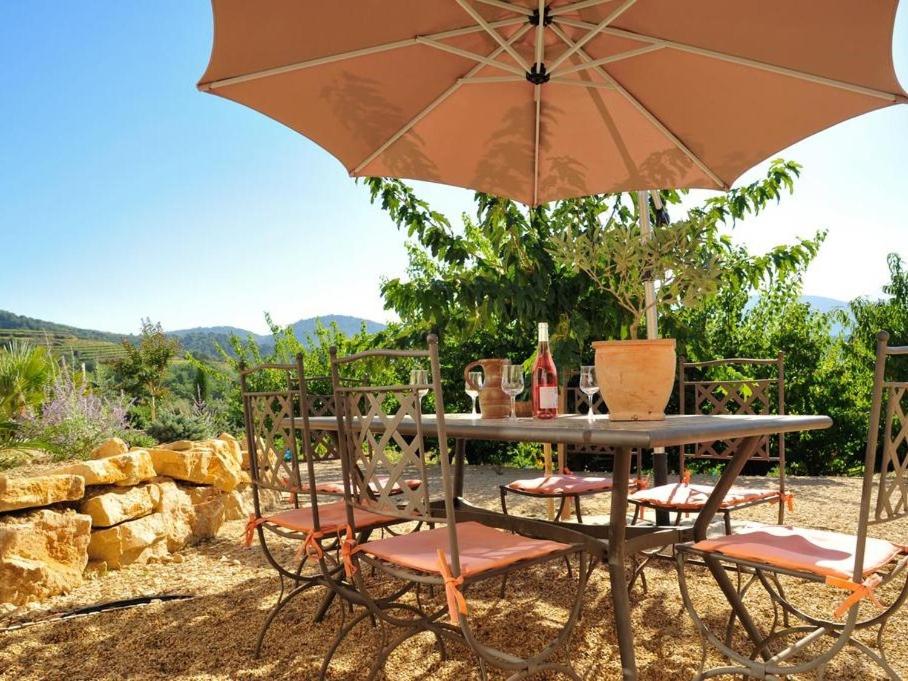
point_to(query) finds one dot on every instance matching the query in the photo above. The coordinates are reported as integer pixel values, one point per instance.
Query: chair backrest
(575, 401)
(276, 408)
(888, 434)
(756, 387)
(382, 440)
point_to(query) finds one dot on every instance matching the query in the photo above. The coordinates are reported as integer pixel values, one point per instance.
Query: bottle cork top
(544, 331)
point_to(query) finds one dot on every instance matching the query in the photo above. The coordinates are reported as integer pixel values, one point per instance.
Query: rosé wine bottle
(545, 378)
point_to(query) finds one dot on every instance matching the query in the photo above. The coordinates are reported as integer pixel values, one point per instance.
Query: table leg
(660, 477)
(460, 453)
(705, 517)
(621, 601)
(547, 471)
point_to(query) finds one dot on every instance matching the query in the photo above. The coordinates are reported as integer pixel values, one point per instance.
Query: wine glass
(420, 377)
(473, 386)
(589, 387)
(512, 384)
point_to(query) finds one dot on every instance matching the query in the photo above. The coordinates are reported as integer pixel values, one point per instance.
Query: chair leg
(274, 613)
(325, 605)
(504, 493)
(726, 516)
(560, 516)
(577, 508)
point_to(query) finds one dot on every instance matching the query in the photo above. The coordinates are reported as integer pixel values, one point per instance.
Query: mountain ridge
(200, 340)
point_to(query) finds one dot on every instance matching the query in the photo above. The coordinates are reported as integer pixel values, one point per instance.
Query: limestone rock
(238, 504)
(179, 445)
(112, 447)
(207, 463)
(135, 541)
(95, 569)
(233, 447)
(124, 470)
(41, 490)
(115, 506)
(42, 554)
(191, 513)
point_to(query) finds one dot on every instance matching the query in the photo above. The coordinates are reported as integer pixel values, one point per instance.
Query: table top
(575, 429)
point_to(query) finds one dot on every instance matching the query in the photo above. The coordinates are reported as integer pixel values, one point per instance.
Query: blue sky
(125, 193)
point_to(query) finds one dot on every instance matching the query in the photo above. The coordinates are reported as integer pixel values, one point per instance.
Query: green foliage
(182, 424)
(141, 372)
(483, 288)
(683, 258)
(500, 270)
(284, 349)
(25, 372)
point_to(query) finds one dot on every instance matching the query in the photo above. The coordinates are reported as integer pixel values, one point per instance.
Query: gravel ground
(211, 635)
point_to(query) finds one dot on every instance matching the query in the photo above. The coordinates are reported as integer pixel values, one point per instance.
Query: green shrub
(181, 424)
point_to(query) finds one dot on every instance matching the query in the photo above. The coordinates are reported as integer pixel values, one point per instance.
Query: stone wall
(119, 507)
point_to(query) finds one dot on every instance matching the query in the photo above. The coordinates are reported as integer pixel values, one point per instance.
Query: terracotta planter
(636, 377)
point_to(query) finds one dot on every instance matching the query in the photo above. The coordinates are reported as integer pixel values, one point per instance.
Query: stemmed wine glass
(512, 384)
(589, 387)
(473, 386)
(420, 377)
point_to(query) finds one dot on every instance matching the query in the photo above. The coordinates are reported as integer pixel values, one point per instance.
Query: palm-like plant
(25, 372)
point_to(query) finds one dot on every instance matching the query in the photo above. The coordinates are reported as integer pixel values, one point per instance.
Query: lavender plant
(74, 420)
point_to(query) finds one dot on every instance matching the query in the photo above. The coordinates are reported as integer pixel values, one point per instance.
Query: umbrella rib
(352, 54)
(650, 116)
(744, 61)
(610, 59)
(496, 36)
(438, 100)
(583, 83)
(483, 61)
(591, 33)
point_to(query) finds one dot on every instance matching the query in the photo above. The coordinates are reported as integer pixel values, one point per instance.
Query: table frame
(617, 539)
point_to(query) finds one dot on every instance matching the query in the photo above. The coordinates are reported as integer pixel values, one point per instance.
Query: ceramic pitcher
(493, 401)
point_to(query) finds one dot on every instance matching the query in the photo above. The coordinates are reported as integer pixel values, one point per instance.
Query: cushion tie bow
(457, 604)
(867, 590)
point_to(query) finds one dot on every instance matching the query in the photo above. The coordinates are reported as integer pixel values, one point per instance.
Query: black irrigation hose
(99, 607)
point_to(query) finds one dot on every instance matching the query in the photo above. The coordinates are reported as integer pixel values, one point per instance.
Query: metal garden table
(617, 538)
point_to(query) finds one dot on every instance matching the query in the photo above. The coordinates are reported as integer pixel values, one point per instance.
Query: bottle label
(548, 397)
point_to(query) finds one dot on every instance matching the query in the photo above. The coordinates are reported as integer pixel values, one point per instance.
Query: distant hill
(203, 340)
(90, 345)
(9, 320)
(823, 304)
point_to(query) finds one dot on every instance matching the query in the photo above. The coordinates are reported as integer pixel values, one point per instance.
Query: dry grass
(211, 635)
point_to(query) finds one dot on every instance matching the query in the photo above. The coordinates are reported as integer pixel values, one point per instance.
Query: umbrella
(538, 101)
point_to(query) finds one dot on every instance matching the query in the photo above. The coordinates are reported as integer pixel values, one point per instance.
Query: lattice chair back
(887, 440)
(382, 439)
(762, 392)
(282, 447)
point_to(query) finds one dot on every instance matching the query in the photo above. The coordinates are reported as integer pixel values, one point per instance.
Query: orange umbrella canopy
(542, 101)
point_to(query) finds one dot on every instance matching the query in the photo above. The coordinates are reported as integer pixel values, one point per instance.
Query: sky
(125, 193)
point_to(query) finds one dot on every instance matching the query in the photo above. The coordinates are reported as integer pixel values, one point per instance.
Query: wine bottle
(545, 378)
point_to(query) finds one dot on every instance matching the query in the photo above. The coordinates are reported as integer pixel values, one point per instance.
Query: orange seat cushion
(562, 484)
(482, 548)
(818, 552)
(331, 517)
(685, 497)
(336, 487)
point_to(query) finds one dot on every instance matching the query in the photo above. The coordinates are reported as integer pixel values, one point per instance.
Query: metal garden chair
(565, 485)
(857, 566)
(735, 395)
(279, 440)
(382, 434)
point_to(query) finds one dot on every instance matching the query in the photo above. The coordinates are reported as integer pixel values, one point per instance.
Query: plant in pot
(682, 259)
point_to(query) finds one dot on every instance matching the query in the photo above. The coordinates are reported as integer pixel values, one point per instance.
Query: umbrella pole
(660, 461)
